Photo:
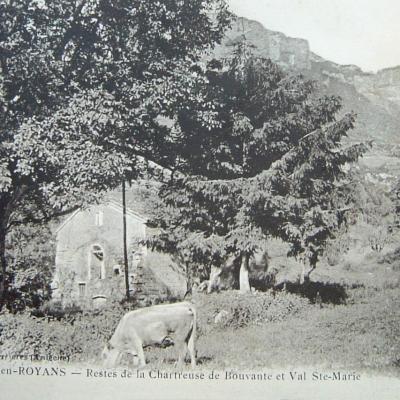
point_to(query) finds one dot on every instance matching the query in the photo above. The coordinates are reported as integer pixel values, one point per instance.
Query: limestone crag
(386, 84)
(375, 97)
(285, 51)
(381, 88)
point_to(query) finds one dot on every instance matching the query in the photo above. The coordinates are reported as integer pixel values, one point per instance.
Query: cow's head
(110, 355)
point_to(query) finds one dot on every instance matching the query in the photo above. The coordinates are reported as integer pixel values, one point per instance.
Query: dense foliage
(273, 167)
(235, 310)
(82, 87)
(31, 259)
(81, 336)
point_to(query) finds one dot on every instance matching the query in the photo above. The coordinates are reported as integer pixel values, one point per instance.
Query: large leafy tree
(30, 260)
(272, 167)
(83, 84)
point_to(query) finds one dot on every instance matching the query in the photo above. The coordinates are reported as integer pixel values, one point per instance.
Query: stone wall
(89, 263)
(164, 273)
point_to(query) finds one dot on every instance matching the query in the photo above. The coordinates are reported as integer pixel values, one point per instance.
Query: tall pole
(125, 246)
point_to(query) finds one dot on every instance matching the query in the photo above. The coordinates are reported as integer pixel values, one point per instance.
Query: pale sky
(361, 32)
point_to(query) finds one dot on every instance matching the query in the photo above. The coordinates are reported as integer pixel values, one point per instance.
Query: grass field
(265, 330)
(361, 336)
(363, 333)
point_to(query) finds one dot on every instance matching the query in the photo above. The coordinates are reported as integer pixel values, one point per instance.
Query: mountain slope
(374, 97)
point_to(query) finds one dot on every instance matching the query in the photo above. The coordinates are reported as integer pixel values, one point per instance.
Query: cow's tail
(192, 337)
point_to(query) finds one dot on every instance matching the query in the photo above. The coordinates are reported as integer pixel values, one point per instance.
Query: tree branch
(67, 35)
(34, 220)
(18, 193)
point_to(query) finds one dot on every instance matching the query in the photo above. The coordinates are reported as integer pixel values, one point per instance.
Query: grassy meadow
(359, 331)
(360, 336)
(353, 325)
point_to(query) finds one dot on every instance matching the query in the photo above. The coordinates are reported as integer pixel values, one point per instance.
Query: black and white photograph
(199, 199)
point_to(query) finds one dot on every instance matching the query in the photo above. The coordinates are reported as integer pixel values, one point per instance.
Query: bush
(30, 257)
(392, 259)
(79, 336)
(55, 309)
(246, 309)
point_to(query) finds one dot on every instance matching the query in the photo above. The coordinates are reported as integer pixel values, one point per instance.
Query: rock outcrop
(285, 51)
(375, 97)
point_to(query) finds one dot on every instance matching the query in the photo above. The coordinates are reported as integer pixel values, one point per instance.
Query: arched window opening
(98, 252)
(96, 262)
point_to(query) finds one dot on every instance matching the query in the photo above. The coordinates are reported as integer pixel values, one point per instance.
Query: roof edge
(115, 205)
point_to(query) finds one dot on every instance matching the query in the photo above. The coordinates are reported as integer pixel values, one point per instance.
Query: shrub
(392, 259)
(82, 335)
(30, 257)
(347, 266)
(246, 309)
(55, 309)
(79, 336)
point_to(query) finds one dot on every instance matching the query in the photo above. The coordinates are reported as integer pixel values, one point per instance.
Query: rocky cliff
(375, 97)
(285, 51)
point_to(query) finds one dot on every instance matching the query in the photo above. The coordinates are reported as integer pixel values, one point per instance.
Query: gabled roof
(141, 198)
(69, 218)
(118, 207)
(140, 202)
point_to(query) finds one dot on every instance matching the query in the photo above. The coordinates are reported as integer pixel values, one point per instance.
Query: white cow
(162, 325)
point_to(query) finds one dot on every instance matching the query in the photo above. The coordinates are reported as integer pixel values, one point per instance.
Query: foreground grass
(357, 336)
(364, 335)
(280, 330)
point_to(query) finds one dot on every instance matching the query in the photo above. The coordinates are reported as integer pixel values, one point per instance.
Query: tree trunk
(8, 202)
(125, 245)
(3, 268)
(214, 282)
(244, 284)
(305, 273)
(189, 281)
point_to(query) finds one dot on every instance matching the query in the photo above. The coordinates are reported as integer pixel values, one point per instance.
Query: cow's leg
(137, 345)
(135, 348)
(113, 359)
(192, 339)
(192, 350)
(134, 359)
(183, 347)
(118, 359)
(140, 352)
(142, 359)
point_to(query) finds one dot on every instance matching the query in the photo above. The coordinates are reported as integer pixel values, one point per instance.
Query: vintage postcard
(199, 199)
